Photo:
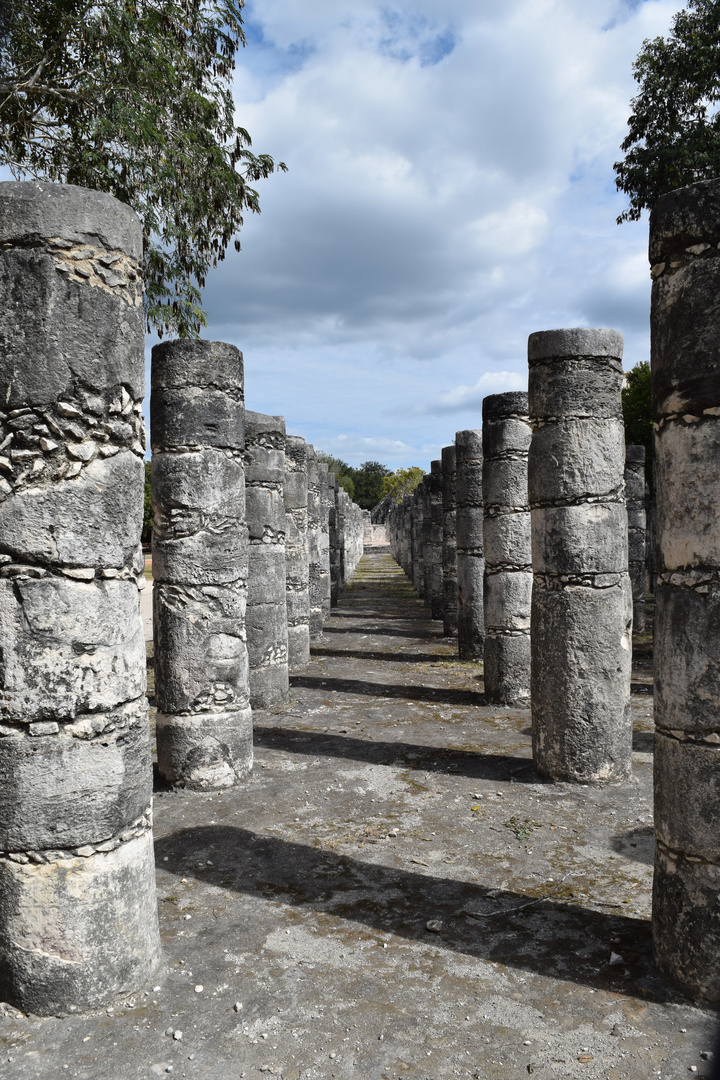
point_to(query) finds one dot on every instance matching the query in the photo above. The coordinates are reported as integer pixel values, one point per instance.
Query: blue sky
(450, 190)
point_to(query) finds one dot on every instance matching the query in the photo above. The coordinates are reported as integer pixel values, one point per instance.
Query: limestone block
(505, 484)
(200, 652)
(69, 647)
(91, 519)
(686, 924)
(199, 536)
(687, 661)
(590, 538)
(580, 676)
(80, 785)
(469, 607)
(576, 459)
(265, 514)
(686, 462)
(266, 575)
(198, 416)
(577, 386)
(206, 750)
(687, 796)
(507, 600)
(510, 437)
(469, 528)
(507, 663)
(78, 931)
(507, 533)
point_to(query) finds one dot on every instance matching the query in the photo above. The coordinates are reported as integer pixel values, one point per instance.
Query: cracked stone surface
(395, 893)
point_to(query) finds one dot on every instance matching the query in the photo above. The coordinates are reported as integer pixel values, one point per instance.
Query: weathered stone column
(637, 531)
(200, 564)
(449, 549)
(266, 618)
(315, 586)
(418, 574)
(469, 539)
(323, 542)
(685, 325)
(581, 618)
(508, 556)
(78, 913)
(297, 569)
(334, 540)
(434, 555)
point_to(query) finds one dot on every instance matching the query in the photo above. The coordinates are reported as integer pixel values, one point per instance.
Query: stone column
(317, 584)
(581, 619)
(323, 542)
(685, 318)
(78, 914)
(469, 539)
(419, 538)
(266, 619)
(200, 564)
(508, 557)
(297, 569)
(333, 538)
(436, 539)
(449, 548)
(637, 531)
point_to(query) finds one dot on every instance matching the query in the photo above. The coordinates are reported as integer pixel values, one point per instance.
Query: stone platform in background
(394, 894)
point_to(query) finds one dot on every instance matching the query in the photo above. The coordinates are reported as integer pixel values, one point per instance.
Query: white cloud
(450, 191)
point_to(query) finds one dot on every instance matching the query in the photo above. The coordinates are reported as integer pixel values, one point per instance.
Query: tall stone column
(297, 567)
(508, 557)
(637, 531)
(469, 539)
(78, 913)
(313, 510)
(436, 540)
(334, 540)
(685, 320)
(581, 619)
(323, 542)
(200, 564)
(266, 618)
(419, 538)
(449, 549)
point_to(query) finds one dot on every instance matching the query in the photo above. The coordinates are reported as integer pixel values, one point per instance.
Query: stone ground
(394, 894)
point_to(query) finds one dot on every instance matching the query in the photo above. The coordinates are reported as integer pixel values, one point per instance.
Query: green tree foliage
(134, 97)
(147, 508)
(674, 130)
(369, 483)
(637, 412)
(363, 485)
(402, 482)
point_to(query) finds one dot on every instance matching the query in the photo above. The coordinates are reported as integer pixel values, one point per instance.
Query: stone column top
(468, 445)
(257, 424)
(635, 454)
(577, 343)
(32, 210)
(190, 363)
(448, 459)
(504, 406)
(683, 219)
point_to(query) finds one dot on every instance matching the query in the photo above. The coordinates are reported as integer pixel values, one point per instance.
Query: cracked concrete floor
(394, 894)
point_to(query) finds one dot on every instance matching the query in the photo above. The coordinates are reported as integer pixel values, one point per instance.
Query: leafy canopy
(364, 485)
(674, 130)
(402, 482)
(134, 97)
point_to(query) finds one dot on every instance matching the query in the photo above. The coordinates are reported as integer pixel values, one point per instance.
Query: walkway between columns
(394, 893)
